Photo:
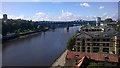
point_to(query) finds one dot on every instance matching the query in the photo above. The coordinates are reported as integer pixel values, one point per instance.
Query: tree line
(17, 26)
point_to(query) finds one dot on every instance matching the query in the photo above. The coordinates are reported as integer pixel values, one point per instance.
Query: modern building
(100, 39)
(98, 21)
(4, 16)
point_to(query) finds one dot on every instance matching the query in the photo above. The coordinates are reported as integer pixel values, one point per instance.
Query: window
(78, 39)
(88, 44)
(103, 44)
(88, 50)
(95, 49)
(83, 42)
(96, 35)
(89, 29)
(86, 30)
(105, 49)
(106, 44)
(95, 44)
(106, 40)
(88, 39)
(98, 39)
(106, 35)
(88, 47)
(83, 49)
(94, 39)
(78, 48)
(92, 29)
(78, 43)
(103, 39)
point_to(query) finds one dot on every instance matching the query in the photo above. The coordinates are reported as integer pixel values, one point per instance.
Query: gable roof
(93, 56)
(82, 32)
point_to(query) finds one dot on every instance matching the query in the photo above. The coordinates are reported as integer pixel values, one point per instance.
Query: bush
(71, 43)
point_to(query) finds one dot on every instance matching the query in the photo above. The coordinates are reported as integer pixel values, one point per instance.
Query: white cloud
(20, 17)
(64, 16)
(16, 17)
(1, 16)
(101, 7)
(114, 16)
(40, 16)
(104, 14)
(84, 5)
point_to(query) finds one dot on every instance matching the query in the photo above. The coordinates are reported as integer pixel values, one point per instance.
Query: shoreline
(60, 61)
(12, 37)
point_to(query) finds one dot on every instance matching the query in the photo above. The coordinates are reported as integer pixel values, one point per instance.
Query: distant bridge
(65, 23)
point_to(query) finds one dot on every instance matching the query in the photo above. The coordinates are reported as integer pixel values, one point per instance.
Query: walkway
(61, 60)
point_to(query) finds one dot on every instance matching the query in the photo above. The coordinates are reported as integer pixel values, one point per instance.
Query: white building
(98, 21)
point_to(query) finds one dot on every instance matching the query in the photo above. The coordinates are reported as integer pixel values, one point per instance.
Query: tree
(96, 65)
(118, 28)
(108, 20)
(77, 31)
(71, 43)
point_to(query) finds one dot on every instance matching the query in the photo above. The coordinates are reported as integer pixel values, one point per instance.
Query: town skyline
(60, 11)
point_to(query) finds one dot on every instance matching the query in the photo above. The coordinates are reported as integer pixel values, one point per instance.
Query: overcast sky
(60, 10)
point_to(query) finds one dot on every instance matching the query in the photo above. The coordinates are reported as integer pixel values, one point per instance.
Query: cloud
(40, 16)
(1, 16)
(64, 16)
(101, 7)
(16, 17)
(84, 5)
(114, 16)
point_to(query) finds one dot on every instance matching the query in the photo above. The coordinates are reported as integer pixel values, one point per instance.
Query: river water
(36, 50)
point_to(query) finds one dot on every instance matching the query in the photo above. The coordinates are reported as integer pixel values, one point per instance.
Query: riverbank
(61, 60)
(14, 36)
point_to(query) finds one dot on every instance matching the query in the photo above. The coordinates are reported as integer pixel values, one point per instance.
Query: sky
(59, 0)
(60, 11)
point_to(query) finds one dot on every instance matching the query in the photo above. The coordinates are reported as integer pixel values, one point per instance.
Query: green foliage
(95, 65)
(18, 26)
(118, 28)
(70, 43)
(108, 20)
(77, 31)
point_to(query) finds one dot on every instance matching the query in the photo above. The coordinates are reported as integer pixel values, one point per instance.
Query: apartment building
(102, 39)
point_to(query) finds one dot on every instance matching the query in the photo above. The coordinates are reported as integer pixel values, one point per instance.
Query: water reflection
(37, 50)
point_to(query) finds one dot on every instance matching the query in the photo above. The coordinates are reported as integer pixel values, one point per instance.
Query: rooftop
(107, 33)
(93, 56)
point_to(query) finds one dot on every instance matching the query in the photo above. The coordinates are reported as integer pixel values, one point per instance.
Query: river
(36, 50)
